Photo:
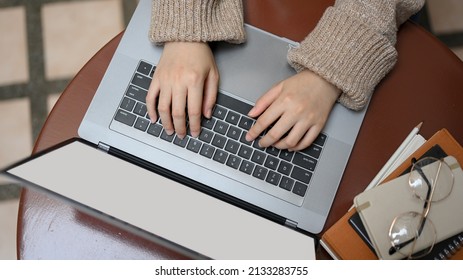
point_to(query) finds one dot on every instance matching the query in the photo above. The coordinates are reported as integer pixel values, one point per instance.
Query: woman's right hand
(184, 84)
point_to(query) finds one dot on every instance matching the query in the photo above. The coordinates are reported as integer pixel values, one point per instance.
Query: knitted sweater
(352, 45)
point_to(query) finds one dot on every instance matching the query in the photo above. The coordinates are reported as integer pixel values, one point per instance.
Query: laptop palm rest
(165, 211)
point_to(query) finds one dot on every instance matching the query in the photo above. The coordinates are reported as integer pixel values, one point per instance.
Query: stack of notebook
(349, 239)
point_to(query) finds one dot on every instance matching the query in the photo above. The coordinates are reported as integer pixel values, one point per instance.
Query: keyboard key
(219, 112)
(304, 161)
(300, 189)
(232, 117)
(128, 104)
(245, 152)
(207, 151)
(221, 127)
(246, 167)
(260, 172)
(286, 183)
(273, 151)
(167, 137)
(232, 146)
(320, 140)
(181, 142)
(234, 132)
(233, 161)
(285, 167)
(220, 156)
(256, 144)
(144, 68)
(313, 151)
(273, 178)
(155, 129)
(301, 174)
(219, 141)
(233, 104)
(136, 93)
(208, 123)
(206, 135)
(245, 123)
(258, 157)
(272, 162)
(141, 81)
(142, 124)
(140, 109)
(125, 117)
(194, 145)
(243, 139)
(286, 155)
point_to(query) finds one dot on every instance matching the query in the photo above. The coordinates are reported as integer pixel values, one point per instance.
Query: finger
(308, 139)
(270, 116)
(164, 109)
(293, 137)
(210, 93)
(195, 96)
(152, 95)
(178, 111)
(265, 101)
(281, 127)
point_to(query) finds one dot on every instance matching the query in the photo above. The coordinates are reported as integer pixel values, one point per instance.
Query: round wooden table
(426, 85)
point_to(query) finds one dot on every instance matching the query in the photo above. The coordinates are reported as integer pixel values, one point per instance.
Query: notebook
(379, 206)
(296, 189)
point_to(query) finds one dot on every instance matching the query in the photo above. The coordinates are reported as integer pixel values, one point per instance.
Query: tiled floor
(36, 40)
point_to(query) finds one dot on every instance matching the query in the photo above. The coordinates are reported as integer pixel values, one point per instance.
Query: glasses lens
(431, 173)
(412, 235)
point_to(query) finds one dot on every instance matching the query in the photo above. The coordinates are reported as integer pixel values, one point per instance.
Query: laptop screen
(166, 211)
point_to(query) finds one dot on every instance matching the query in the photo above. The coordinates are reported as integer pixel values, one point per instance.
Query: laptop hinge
(290, 223)
(103, 147)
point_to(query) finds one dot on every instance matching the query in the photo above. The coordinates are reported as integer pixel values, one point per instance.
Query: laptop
(257, 196)
(297, 188)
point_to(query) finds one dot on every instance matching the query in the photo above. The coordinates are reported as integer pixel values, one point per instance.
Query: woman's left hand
(296, 108)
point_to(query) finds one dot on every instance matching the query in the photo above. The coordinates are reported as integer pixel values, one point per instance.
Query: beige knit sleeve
(352, 46)
(197, 21)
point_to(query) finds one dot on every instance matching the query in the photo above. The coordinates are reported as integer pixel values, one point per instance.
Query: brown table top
(426, 85)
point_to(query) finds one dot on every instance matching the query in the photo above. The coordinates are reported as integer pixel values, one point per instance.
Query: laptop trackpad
(174, 214)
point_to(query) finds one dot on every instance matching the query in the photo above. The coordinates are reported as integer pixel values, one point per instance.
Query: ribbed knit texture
(197, 21)
(352, 46)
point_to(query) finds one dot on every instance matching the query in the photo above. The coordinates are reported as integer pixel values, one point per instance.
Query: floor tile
(74, 31)
(16, 139)
(13, 46)
(446, 16)
(8, 220)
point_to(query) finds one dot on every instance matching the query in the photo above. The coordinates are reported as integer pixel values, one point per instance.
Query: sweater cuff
(346, 53)
(197, 21)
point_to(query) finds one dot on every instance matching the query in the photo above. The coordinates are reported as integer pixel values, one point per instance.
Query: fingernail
(169, 131)
(251, 111)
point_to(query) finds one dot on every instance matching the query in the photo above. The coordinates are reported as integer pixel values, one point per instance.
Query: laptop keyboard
(222, 139)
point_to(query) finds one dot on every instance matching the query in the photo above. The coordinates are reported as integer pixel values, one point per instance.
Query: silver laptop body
(246, 72)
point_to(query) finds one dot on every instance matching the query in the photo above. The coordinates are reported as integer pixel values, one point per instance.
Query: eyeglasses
(412, 234)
